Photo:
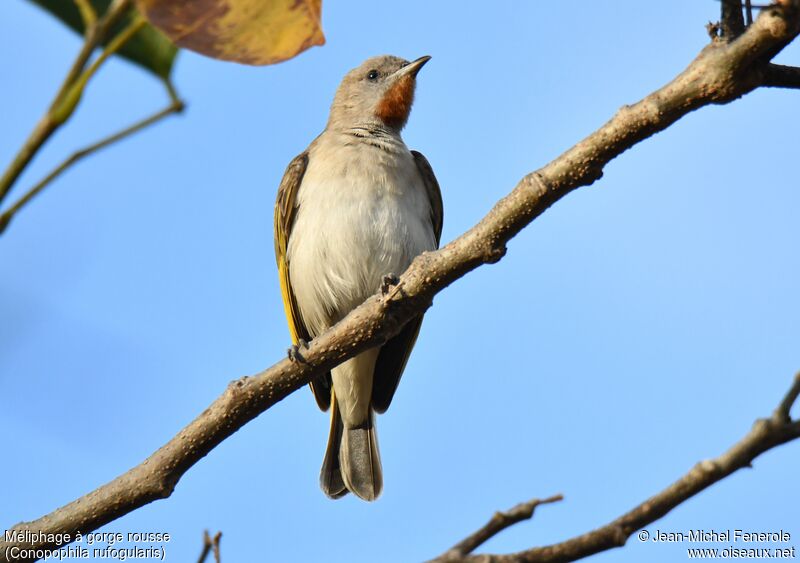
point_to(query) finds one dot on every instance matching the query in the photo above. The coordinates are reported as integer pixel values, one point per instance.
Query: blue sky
(639, 326)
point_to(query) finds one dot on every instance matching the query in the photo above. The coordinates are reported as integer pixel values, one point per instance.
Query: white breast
(363, 212)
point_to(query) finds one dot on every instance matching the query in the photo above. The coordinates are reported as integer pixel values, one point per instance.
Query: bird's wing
(394, 354)
(434, 193)
(285, 210)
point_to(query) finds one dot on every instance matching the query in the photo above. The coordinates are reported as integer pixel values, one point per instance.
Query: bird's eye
(372, 75)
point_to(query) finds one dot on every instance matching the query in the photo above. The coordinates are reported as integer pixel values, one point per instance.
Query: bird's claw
(293, 353)
(389, 280)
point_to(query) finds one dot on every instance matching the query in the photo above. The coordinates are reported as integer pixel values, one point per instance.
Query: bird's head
(380, 91)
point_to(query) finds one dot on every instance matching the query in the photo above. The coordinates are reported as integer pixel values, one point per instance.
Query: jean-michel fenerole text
(728, 536)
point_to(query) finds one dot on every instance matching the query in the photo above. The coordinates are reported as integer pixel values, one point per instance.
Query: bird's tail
(352, 460)
(360, 461)
(330, 477)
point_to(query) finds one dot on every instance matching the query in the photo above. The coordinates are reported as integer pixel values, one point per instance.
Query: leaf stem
(88, 15)
(61, 111)
(176, 105)
(48, 124)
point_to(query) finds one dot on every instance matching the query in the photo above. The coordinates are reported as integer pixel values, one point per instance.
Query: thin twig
(721, 73)
(175, 106)
(207, 543)
(783, 412)
(499, 522)
(137, 23)
(765, 435)
(94, 36)
(215, 547)
(210, 545)
(748, 12)
(50, 122)
(63, 109)
(88, 15)
(97, 34)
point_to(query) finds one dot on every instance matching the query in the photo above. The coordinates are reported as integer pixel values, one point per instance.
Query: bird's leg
(388, 281)
(294, 354)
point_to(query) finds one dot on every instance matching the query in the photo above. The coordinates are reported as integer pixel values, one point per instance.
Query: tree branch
(781, 76)
(766, 434)
(210, 544)
(732, 19)
(721, 73)
(176, 105)
(499, 522)
(783, 412)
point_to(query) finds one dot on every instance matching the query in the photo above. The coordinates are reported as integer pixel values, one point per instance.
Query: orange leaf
(256, 32)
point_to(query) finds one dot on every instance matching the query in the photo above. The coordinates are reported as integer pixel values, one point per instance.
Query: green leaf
(149, 48)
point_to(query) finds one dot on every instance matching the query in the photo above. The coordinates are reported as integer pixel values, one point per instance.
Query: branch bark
(766, 434)
(722, 72)
(782, 76)
(732, 19)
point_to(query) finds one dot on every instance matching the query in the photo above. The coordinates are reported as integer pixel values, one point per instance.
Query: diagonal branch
(499, 522)
(215, 548)
(783, 413)
(766, 434)
(722, 72)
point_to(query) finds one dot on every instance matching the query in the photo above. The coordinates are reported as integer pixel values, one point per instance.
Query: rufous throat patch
(395, 106)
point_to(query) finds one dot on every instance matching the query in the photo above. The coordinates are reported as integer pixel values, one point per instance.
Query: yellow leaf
(256, 32)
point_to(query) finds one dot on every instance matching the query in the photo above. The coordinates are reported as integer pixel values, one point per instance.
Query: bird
(352, 211)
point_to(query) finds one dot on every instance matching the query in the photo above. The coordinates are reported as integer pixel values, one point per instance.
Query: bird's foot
(294, 354)
(389, 280)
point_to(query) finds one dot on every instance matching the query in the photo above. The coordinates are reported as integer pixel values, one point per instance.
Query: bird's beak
(413, 67)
